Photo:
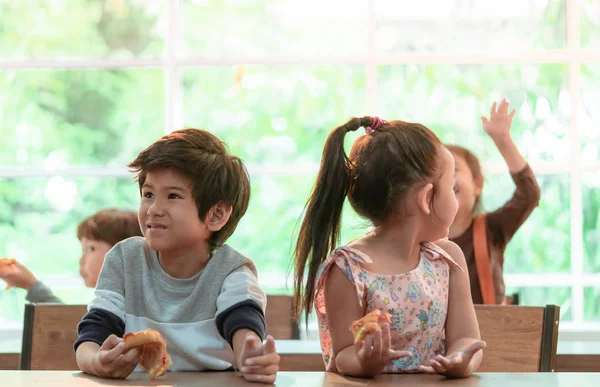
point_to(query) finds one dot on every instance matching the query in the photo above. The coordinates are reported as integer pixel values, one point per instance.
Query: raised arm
(498, 128)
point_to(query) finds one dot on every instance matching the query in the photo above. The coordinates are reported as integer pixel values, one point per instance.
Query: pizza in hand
(7, 265)
(155, 359)
(368, 324)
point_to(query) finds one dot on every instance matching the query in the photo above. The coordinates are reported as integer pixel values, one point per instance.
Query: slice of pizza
(6, 265)
(368, 324)
(155, 360)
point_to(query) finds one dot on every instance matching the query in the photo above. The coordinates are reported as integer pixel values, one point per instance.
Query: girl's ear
(424, 196)
(218, 215)
(478, 182)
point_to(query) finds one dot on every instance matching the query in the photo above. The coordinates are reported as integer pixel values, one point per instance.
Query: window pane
(273, 115)
(542, 244)
(307, 28)
(450, 99)
(277, 204)
(589, 21)
(469, 26)
(591, 222)
(546, 296)
(82, 28)
(266, 232)
(62, 118)
(591, 305)
(48, 211)
(589, 115)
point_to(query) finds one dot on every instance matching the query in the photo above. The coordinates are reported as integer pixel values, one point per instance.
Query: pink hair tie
(376, 122)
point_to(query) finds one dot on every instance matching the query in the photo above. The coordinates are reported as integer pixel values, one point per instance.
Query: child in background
(498, 227)
(181, 279)
(97, 233)
(401, 178)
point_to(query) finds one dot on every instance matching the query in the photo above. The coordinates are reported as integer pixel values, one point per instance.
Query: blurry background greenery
(277, 116)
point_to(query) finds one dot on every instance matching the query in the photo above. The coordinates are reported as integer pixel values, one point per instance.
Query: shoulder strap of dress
(432, 247)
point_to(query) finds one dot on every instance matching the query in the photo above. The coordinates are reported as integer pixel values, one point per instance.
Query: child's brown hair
(215, 175)
(110, 225)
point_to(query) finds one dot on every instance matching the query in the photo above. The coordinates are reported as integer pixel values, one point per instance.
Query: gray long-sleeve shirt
(40, 293)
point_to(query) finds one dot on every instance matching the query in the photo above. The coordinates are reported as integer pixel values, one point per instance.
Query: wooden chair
(281, 323)
(51, 329)
(49, 332)
(519, 338)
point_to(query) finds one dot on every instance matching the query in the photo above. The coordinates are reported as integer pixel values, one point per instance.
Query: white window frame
(173, 65)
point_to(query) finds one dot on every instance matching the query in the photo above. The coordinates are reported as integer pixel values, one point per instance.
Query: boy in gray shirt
(180, 279)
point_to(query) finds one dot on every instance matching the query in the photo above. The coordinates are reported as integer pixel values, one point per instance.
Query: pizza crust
(369, 324)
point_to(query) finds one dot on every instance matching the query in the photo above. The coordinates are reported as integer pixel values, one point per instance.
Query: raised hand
(498, 126)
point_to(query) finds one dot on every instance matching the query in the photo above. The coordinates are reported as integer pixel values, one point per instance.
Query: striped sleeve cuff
(97, 325)
(246, 314)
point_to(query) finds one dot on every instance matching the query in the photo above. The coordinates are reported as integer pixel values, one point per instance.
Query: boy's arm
(240, 320)
(241, 305)
(105, 318)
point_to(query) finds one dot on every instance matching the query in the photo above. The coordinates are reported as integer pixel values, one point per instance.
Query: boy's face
(92, 258)
(168, 213)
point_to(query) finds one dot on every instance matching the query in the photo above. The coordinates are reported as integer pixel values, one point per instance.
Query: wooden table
(300, 379)
(305, 355)
(572, 356)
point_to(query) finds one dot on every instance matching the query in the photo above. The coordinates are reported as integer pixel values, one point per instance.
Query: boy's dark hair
(381, 169)
(110, 225)
(474, 166)
(216, 176)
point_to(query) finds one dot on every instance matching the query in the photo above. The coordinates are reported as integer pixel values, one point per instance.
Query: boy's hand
(18, 276)
(375, 351)
(113, 361)
(260, 362)
(498, 126)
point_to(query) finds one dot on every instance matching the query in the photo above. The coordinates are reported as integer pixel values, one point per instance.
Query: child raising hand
(491, 231)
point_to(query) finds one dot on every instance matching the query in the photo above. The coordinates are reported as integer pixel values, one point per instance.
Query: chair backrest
(281, 323)
(51, 329)
(519, 338)
(49, 332)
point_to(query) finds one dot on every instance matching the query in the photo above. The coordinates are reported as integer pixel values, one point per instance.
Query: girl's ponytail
(320, 229)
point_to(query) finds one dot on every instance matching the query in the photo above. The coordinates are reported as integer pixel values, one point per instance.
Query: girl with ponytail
(400, 177)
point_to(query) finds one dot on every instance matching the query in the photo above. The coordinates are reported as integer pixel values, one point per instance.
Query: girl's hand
(498, 126)
(446, 364)
(374, 352)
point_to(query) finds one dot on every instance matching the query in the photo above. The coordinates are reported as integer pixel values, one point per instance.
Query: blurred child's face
(168, 213)
(466, 188)
(92, 258)
(445, 204)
